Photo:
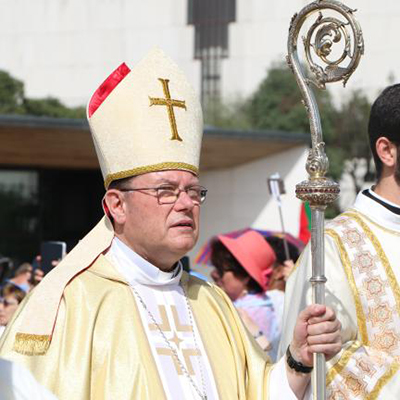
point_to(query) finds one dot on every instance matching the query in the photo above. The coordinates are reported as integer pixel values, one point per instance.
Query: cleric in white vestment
(362, 265)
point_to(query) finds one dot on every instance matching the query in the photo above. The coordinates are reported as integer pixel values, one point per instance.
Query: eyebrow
(166, 181)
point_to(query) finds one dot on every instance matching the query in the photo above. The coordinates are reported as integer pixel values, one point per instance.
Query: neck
(243, 294)
(389, 189)
(165, 264)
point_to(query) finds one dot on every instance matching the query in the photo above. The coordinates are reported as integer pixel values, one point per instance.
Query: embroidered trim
(385, 262)
(30, 344)
(149, 168)
(338, 367)
(361, 320)
(363, 373)
(383, 381)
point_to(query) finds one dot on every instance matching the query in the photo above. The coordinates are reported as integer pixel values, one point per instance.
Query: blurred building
(65, 48)
(50, 184)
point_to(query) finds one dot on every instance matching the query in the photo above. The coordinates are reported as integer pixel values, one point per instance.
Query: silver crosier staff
(337, 27)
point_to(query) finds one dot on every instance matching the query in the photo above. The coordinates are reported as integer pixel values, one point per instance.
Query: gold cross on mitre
(170, 104)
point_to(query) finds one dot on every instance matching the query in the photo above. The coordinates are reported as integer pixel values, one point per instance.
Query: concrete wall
(239, 198)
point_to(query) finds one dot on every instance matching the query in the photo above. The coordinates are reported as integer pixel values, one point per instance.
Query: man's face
(9, 306)
(28, 275)
(277, 281)
(160, 233)
(232, 285)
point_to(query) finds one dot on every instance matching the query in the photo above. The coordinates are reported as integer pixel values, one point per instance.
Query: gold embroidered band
(362, 371)
(395, 288)
(338, 367)
(361, 320)
(150, 168)
(31, 345)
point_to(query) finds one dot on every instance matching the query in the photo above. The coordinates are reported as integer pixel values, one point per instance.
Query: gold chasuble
(99, 348)
(363, 271)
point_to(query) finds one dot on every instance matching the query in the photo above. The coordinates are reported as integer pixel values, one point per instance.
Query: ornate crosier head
(333, 46)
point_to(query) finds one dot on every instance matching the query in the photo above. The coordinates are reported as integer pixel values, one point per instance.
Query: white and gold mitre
(146, 119)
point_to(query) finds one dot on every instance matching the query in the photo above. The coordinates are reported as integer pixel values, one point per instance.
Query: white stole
(166, 302)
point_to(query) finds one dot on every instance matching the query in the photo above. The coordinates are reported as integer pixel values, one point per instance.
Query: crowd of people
(251, 269)
(14, 289)
(119, 318)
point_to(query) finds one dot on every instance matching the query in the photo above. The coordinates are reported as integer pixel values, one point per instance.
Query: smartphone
(52, 251)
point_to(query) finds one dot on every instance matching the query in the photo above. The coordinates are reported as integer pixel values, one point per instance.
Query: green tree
(11, 94)
(348, 147)
(232, 114)
(276, 104)
(52, 107)
(13, 101)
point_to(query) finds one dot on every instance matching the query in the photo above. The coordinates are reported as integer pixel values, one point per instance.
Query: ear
(387, 152)
(115, 202)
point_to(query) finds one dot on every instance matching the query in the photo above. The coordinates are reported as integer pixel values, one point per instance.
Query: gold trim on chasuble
(150, 168)
(364, 372)
(362, 327)
(30, 344)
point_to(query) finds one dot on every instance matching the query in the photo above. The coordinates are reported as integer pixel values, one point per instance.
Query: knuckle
(325, 327)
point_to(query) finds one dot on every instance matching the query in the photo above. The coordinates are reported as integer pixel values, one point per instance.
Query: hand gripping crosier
(338, 27)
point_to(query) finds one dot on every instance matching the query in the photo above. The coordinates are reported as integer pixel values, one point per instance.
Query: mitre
(146, 119)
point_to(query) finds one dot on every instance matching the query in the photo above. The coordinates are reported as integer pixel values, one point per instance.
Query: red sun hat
(254, 254)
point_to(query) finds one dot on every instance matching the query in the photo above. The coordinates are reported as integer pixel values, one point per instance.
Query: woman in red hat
(243, 268)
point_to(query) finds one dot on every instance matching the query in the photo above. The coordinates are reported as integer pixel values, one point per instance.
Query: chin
(183, 245)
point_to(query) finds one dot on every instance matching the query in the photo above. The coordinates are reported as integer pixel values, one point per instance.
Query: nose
(184, 201)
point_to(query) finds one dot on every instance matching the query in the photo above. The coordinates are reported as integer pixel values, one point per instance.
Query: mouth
(185, 224)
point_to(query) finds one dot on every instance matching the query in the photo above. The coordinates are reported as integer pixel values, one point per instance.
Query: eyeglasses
(168, 194)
